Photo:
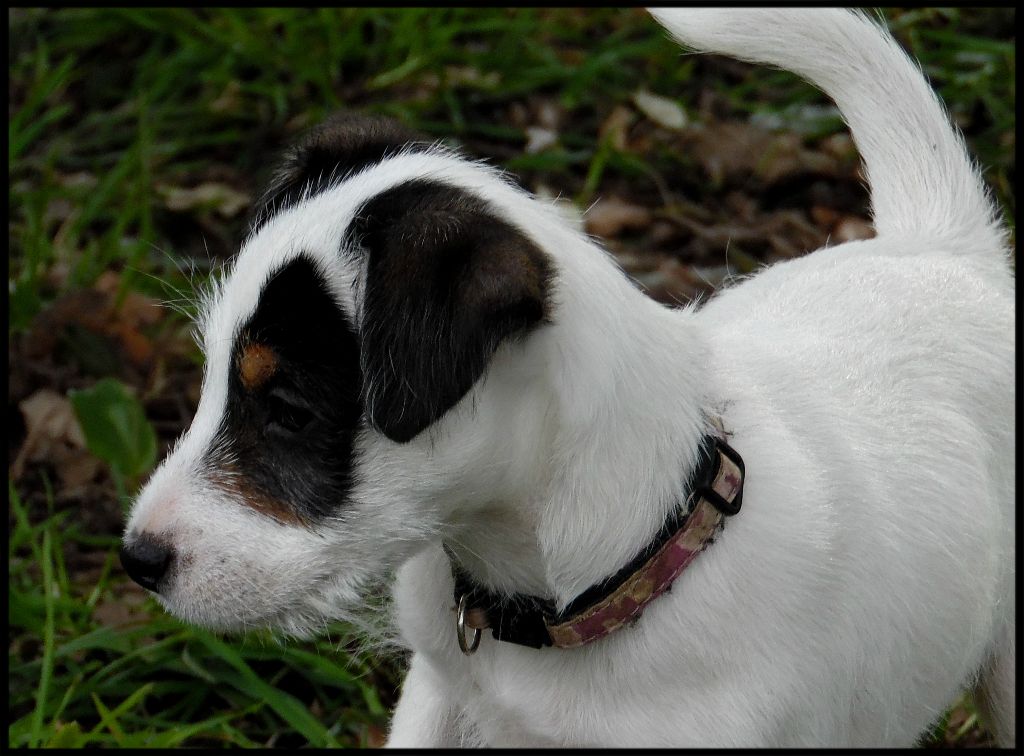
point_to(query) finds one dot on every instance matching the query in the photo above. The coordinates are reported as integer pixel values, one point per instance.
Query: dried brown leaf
(223, 199)
(735, 149)
(376, 737)
(228, 101)
(550, 114)
(50, 425)
(125, 607)
(611, 216)
(664, 111)
(616, 126)
(76, 467)
(851, 228)
(539, 139)
(472, 77)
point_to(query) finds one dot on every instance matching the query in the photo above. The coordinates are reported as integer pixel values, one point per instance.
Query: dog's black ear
(446, 283)
(342, 145)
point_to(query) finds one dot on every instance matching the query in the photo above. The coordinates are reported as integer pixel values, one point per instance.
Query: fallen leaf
(803, 118)
(126, 607)
(611, 215)
(517, 114)
(550, 114)
(50, 413)
(840, 146)
(135, 308)
(785, 155)
(50, 424)
(223, 199)
(616, 125)
(671, 282)
(663, 232)
(824, 216)
(841, 227)
(58, 274)
(539, 139)
(58, 210)
(112, 614)
(789, 233)
(298, 122)
(228, 101)
(662, 110)
(78, 180)
(851, 228)
(77, 468)
(124, 323)
(83, 307)
(376, 737)
(471, 76)
(733, 149)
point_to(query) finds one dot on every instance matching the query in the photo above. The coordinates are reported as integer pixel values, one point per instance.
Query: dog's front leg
(425, 716)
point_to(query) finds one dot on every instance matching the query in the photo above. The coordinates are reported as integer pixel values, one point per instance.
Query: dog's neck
(629, 458)
(613, 449)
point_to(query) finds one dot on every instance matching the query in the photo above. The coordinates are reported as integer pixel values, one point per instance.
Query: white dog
(415, 366)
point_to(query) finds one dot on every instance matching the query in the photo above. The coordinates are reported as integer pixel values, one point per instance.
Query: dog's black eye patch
(285, 412)
(285, 444)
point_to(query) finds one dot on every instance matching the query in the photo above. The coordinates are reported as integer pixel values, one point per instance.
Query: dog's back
(910, 336)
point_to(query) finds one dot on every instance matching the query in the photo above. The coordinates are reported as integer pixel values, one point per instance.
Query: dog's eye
(285, 414)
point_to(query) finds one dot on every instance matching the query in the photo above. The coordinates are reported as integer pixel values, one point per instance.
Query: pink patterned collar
(716, 492)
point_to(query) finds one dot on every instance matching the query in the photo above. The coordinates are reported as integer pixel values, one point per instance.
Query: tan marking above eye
(256, 364)
(227, 478)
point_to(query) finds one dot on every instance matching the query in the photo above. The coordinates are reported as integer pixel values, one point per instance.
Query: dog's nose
(146, 560)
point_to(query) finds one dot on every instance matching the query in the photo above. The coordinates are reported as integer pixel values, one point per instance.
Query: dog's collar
(716, 492)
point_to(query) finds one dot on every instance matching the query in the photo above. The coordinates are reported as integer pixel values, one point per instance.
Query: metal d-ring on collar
(460, 629)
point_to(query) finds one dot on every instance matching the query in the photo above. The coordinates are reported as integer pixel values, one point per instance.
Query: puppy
(414, 366)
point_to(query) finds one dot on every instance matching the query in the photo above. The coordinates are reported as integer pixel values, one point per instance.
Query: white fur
(868, 387)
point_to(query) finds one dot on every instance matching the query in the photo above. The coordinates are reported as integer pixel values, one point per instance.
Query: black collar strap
(716, 492)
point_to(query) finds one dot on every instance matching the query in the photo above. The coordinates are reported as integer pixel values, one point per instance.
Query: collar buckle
(723, 478)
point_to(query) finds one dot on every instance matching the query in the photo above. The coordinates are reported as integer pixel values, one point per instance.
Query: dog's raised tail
(917, 168)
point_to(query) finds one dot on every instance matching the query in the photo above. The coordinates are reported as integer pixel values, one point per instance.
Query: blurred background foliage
(137, 139)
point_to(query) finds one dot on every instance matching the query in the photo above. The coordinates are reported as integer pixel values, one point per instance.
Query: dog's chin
(229, 623)
(305, 613)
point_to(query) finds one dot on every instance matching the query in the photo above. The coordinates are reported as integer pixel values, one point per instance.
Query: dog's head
(370, 346)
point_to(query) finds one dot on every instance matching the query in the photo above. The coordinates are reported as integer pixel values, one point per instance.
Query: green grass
(75, 680)
(112, 110)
